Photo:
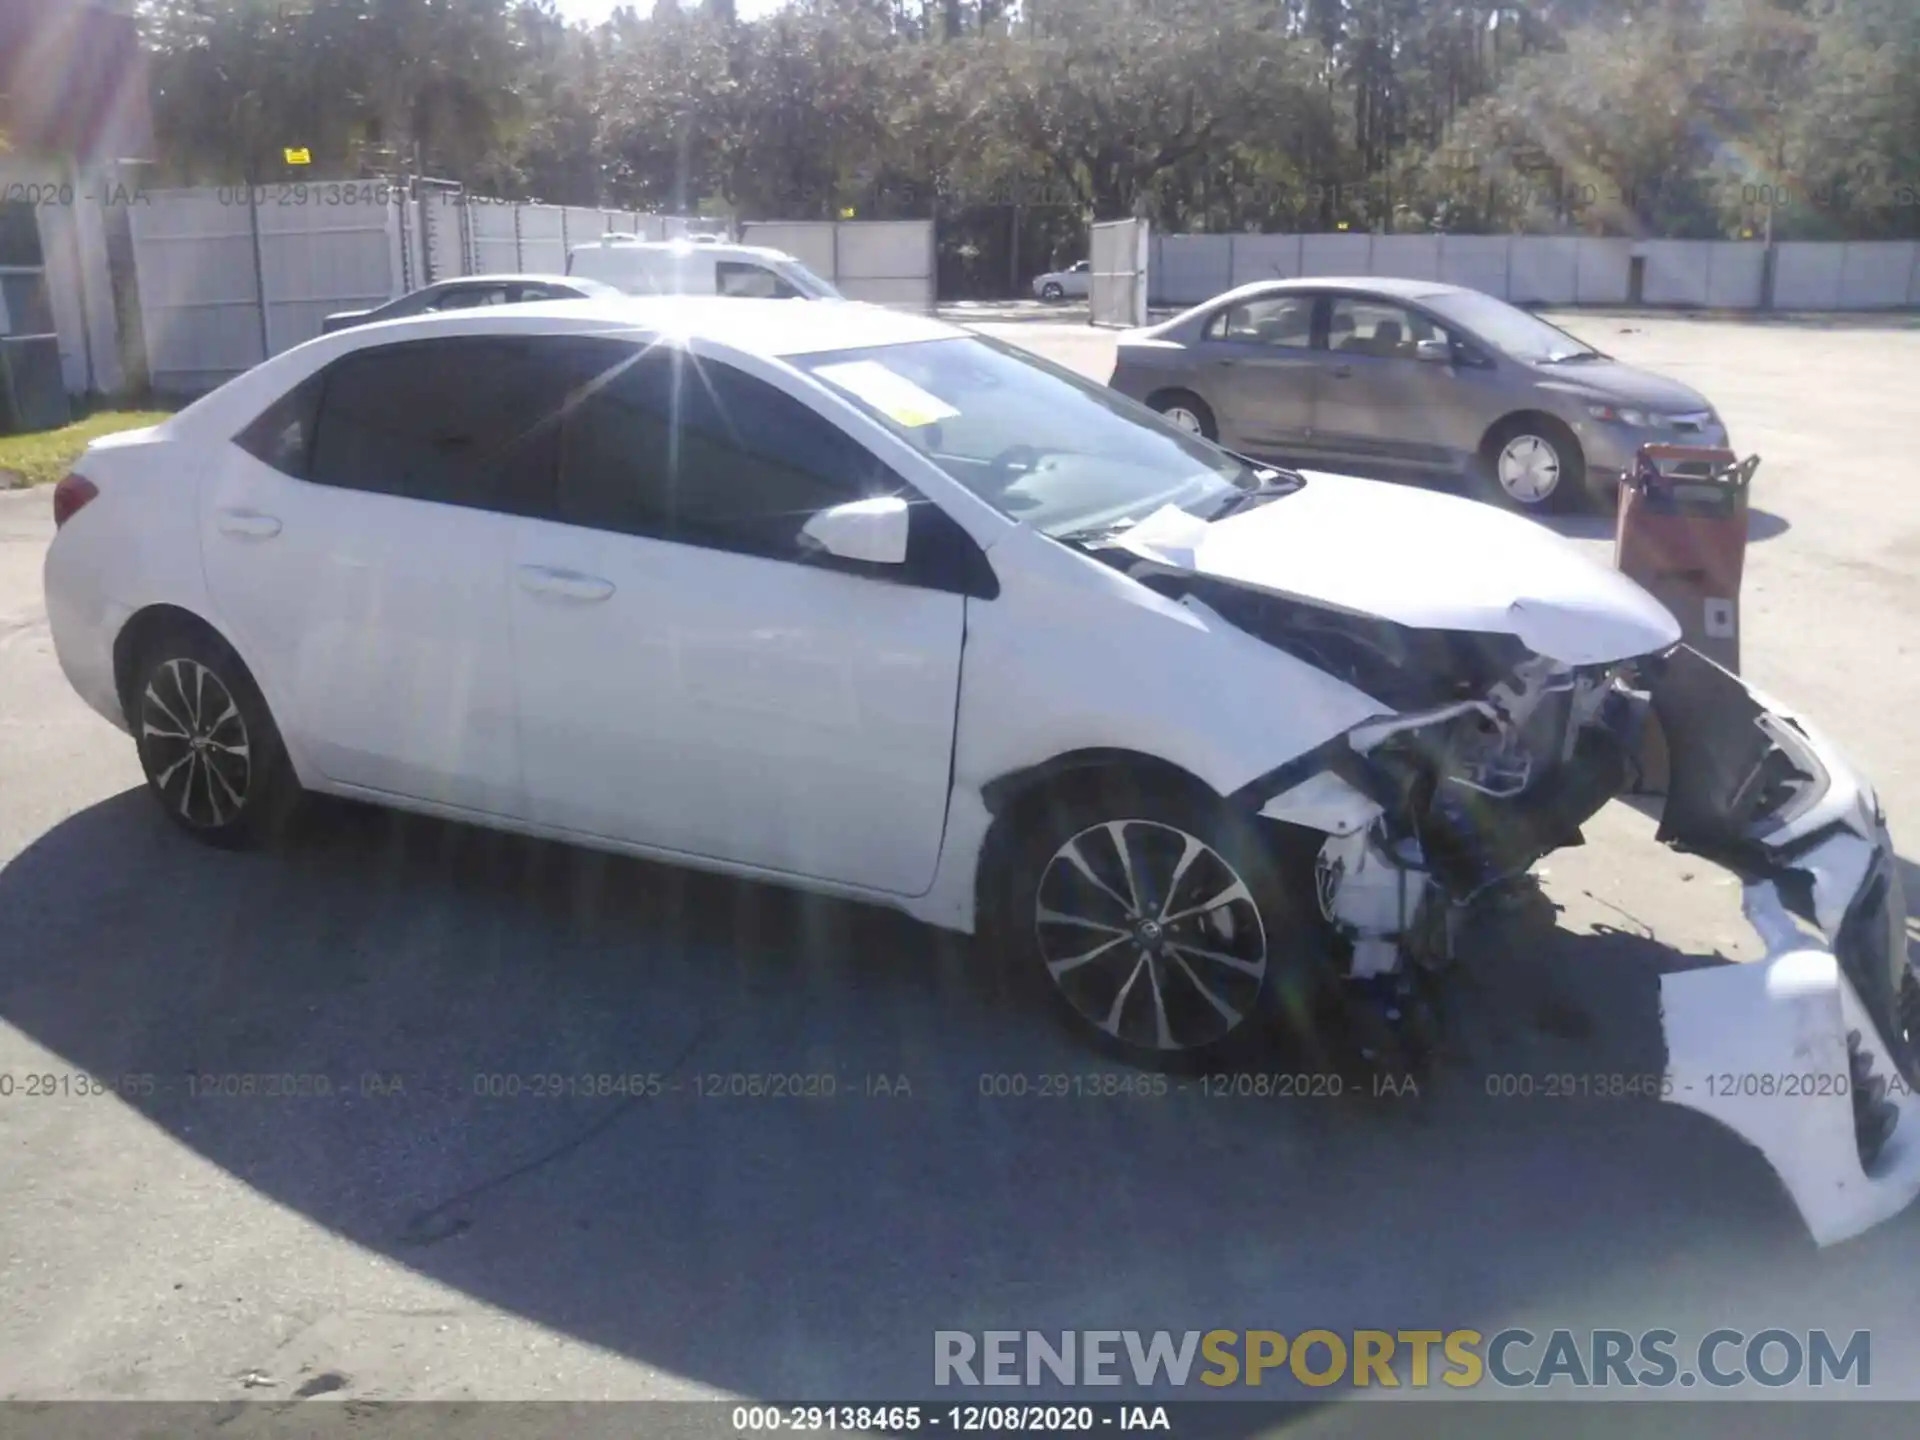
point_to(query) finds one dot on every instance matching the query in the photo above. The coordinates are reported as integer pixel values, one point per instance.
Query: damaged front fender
(1809, 1054)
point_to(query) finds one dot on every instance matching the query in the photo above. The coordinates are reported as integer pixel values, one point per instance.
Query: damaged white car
(865, 604)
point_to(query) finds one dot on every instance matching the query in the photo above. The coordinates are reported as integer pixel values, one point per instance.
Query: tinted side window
(690, 450)
(282, 434)
(469, 421)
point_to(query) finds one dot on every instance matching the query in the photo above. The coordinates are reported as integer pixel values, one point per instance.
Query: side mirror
(1434, 352)
(871, 530)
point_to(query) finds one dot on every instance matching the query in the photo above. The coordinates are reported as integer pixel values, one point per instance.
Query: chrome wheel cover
(1184, 419)
(1529, 469)
(195, 744)
(1151, 935)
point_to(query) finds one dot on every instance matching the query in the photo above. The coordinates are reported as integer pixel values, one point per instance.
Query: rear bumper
(83, 625)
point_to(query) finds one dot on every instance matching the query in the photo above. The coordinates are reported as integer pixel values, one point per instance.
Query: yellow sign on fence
(298, 155)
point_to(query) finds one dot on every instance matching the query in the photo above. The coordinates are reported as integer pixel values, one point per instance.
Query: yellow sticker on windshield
(894, 396)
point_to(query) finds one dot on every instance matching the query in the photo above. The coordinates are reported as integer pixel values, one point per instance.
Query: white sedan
(1073, 283)
(879, 608)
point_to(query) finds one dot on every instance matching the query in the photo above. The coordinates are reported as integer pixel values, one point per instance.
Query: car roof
(683, 247)
(1391, 285)
(776, 329)
(530, 278)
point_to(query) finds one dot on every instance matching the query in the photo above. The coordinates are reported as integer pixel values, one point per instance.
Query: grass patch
(43, 458)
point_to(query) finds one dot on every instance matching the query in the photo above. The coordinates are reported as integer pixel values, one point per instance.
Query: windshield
(1031, 438)
(1507, 328)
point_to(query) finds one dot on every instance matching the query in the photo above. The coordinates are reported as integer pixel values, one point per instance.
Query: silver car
(1073, 283)
(1409, 379)
(469, 291)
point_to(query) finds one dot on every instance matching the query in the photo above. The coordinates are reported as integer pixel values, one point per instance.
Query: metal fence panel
(443, 223)
(1119, 254)
(1543, 270)
(314, 262)
(1736, 274)
(1407, 257)
(1480, 262)
(583, 226)
(1335, 255)
(1264, 257)
(543, 240)
(494, 232)
(1190, 268)
(886, 262)
(1875, 274)
(1602, 272)
(883, 262)
(811, 242)
(1806, 275)
(1555, 269)
(199, 298)
(1677, 272)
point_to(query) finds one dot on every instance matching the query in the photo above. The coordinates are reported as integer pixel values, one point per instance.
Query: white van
(697, 266)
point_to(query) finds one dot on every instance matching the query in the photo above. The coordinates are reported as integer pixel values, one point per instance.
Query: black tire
(1052, 291)
(1173, 402)
(1536, 443)
(207, 743)
(1260, 954)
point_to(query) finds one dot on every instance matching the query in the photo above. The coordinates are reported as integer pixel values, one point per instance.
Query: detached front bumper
(1809, 1054)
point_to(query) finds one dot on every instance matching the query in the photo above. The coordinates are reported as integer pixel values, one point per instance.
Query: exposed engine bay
(1488, 756)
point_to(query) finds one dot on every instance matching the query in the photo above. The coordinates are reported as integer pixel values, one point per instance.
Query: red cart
(1681, 533)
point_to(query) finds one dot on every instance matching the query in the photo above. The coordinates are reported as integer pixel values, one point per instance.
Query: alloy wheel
(197, 748)
(1151, 935)
(1185, 419)
(1528, 469)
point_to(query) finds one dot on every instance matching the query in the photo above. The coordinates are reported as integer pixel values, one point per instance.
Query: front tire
(211, 752)
(1533, 464)
(1159, 925)
(1186, 411)
(1051, 291)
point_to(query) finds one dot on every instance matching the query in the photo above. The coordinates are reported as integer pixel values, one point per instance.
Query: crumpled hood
(1423, 560)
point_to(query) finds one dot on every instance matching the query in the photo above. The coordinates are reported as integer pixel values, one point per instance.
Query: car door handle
(248, 524)
(564, 584)
(1342, 372)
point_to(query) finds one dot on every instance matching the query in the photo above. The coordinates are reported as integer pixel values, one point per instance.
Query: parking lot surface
(428, 1216)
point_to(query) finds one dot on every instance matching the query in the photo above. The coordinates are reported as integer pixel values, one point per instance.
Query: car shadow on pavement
(1761, 525)
(808, 1248)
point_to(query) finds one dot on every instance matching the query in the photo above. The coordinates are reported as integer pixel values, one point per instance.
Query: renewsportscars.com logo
(1416, 1359)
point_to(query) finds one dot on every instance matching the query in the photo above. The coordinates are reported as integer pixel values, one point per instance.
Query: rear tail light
(70, 495)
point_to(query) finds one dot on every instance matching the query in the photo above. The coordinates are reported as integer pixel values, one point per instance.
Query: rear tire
(1187, 411)
(1533, 464)
(211, 752)
(1158, 924)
